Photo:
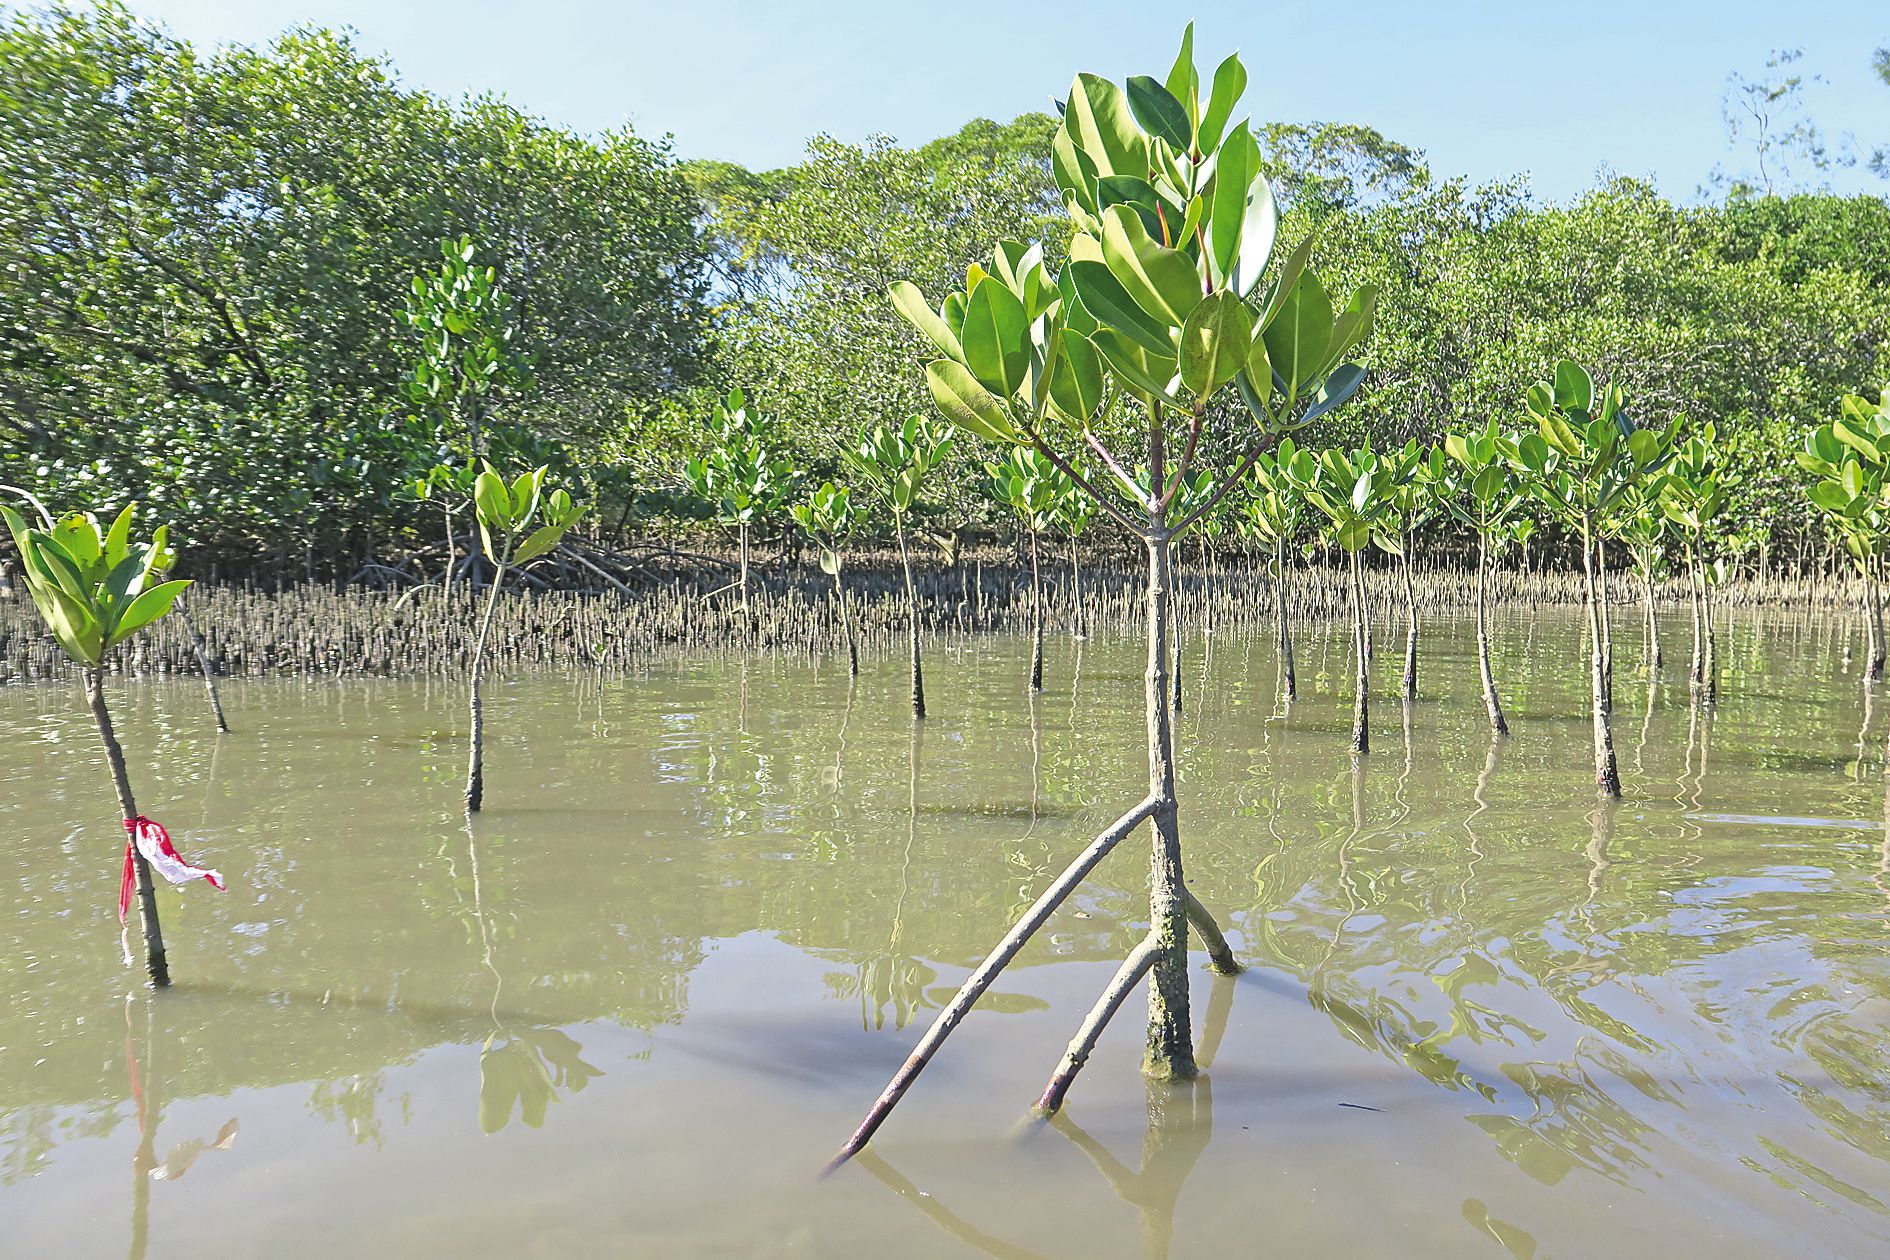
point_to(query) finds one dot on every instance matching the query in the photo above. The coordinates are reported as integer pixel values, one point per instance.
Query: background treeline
(205, 258)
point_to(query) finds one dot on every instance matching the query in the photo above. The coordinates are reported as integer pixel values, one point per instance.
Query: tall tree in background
(202, 256)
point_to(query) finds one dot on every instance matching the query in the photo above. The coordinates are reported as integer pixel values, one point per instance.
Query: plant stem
(912, 621)
(1170, 1051)
(156, 964)
(475, 764)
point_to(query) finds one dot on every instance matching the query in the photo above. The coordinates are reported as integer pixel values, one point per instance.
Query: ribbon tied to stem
(155, 844)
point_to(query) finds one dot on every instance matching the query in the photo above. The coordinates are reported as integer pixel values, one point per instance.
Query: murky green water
(711, 908)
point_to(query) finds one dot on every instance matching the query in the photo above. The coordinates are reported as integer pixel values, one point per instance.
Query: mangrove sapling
(1273, 512)
(1642, 528)
(1693, 495)
(1581, 460)
(94, 588)
(893, 464)
(1411, 503)
(203, 664)
(1850, 456)
(469, 349)
(1071, 512)
(449, 488)
(1163, 316)
(517, 523)
(829, 518)
(742, 475)
(1026, 482)
(1481, 491)
(1355, 493)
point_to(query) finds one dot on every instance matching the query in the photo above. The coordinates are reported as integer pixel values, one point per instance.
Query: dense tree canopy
(202, 259)
(205, 259)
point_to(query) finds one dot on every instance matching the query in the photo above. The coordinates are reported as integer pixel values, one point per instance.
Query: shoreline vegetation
(319, 630)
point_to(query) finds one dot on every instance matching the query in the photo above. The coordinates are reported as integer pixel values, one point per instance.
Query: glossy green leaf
(1162, 281)
(1214, 343)
(966, 403)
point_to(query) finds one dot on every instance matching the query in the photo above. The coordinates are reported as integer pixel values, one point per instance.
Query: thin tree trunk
(1076, 589)
(1494, 706)
(1036, 618)
(203, 663)
(475, 760)
(1874, 594)
(1410, 622)
(1170, 1052)
(912, 620)
(846, 623)
(1361, 652)
(452, 554)
(1654, 657)
(1607, 775)
(1709, 688)
(1289, 682)
(742, 544)
(1696, 671)
(1606, 616)
(156, 964)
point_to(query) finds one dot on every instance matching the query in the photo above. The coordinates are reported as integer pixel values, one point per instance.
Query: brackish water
(712, 906)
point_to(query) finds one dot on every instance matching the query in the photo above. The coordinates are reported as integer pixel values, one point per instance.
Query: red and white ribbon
(155, 844)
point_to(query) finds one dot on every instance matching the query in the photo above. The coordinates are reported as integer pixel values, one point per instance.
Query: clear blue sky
(1487, 89)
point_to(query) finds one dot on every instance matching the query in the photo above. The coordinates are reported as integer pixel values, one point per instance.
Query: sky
(1556, 91)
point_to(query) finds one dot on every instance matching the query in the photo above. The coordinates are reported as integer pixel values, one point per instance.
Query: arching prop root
(1132, 971)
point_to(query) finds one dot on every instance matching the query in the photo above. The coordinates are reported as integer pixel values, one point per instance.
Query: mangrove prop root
(1123, 983)
(980, 980)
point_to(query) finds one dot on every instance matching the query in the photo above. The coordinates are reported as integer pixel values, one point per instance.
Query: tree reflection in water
(522, 1070)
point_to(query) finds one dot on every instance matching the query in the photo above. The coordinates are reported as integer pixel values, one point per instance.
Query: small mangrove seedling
(1027, 483)
(1480, 489)
(1411, 504)
(829, 518)
(1355, 493)
(1694, 495)
(1274, 512)
(1160, 308)
(95, 589)
(742, 475)
(1578, 464)
(1850, 457)
(518, 523)
(893, 465)
(1071, 512)
(447, 487)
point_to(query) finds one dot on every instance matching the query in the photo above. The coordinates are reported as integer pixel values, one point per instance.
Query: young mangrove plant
(95, 588)
(1693, 496)
(1480, 489)
(1641, 525)
(742, 475)
(1354, 492)
(1160, 308)
(1411, 503)
(1850, 457)
(1580, 461)
(518, 522)
(829, 518)
(448, 488)
(469, 350)
(1071, 510)
(1026, 482)
(1274, 512)
(893, 465)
